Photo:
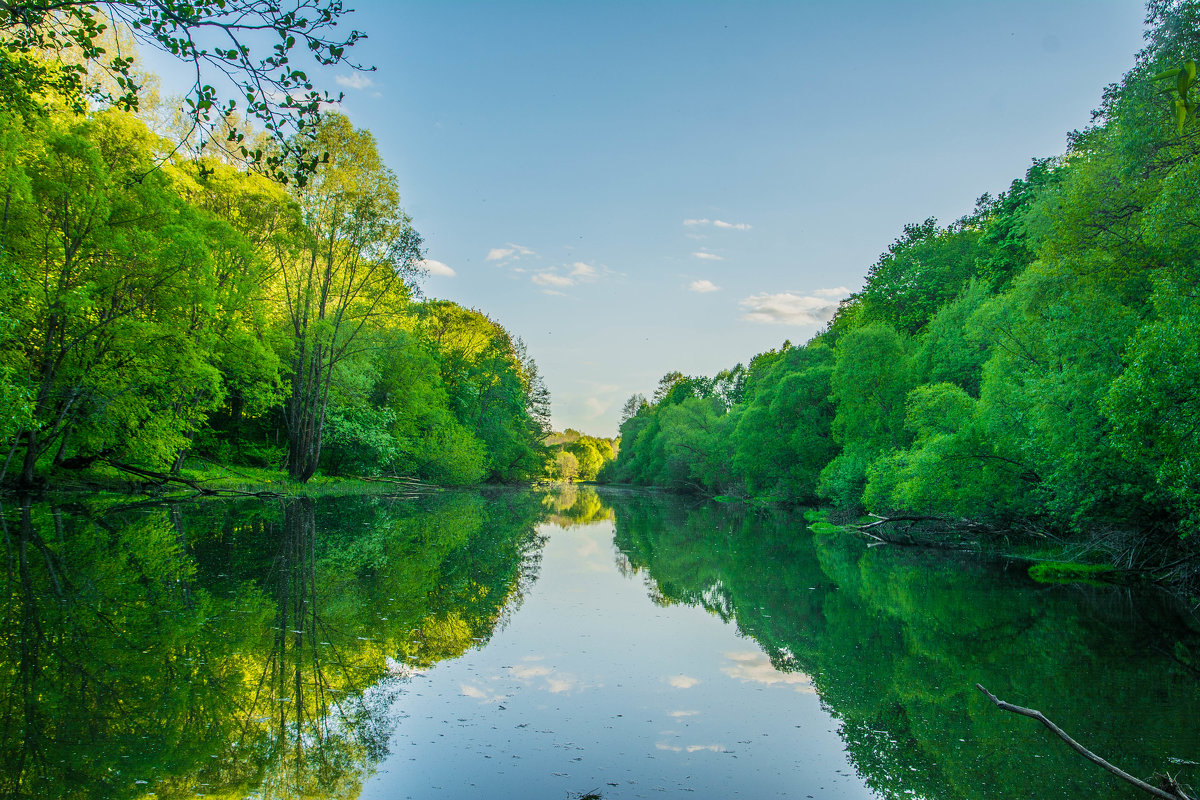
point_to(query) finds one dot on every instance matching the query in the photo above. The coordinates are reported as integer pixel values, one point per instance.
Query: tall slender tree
(341, 277)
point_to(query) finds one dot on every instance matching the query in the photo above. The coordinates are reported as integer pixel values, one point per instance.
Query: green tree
(341, 276)
(922, 270)
(56, 49)
(566, 465)
(106, 258)
(870, 381)
(783, 436)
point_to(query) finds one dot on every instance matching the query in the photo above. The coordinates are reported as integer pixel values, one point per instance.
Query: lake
(559, 644)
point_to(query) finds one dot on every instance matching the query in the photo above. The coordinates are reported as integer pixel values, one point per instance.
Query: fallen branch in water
(885, 520)
(412, 485)
(1173, 790)
(161, 478)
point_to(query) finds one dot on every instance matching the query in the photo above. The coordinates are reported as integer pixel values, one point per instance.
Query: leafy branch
(213, 36)
(1185, 80)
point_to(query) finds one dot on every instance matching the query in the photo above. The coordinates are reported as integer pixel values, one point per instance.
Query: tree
(48, 48)
(665, 384)
(588, 458)
(344, 273)
(923, 269)
(105, 266)
(633, 406)
(566, 465)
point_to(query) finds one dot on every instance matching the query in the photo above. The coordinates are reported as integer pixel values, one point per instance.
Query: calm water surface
(515, 644)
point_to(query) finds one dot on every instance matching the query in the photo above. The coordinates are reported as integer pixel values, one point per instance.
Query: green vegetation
(1031, 367)
(1068, 572)
(155, 307)
(71, 52)
(575, 456)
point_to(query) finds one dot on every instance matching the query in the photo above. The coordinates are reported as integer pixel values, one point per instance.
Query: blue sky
(634, 188)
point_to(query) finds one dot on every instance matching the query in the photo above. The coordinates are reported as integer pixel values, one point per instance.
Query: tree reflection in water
(894, 641)
(237, 648)
(241, 649)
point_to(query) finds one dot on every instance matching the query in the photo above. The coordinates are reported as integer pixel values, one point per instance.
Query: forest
(162, 310)
(1033, 367)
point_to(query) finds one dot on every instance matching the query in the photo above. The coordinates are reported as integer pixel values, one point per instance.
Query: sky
(639, 187)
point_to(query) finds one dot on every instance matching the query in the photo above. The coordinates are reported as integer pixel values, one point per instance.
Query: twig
(1176, 794)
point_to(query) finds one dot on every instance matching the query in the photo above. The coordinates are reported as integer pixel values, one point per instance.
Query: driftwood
(1170, 790)
(161, 478)
(402, 481)
(411, 487)
(949, 532)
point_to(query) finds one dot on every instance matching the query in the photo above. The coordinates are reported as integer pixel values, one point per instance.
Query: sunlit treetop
(239, 54)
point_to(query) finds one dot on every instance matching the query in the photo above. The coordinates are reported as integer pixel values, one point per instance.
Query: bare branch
(1175, 793)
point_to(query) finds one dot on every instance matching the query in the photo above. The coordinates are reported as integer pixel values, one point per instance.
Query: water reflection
(237, 648)
(259, 648)
(570, 504)
(894, 641)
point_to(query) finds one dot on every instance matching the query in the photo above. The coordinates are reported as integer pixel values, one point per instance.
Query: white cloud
(790, 308)
(480, 693)
(572, 274)
(552, 279)
(757, 668)
(595, 407)
(682, 681)
(839, 292)
(719, 223)
(584, 272)
(703, 286)
(355, 80)
(437, 268)
(691, 748)
(540, 676)
(708, 256)
(525, 673)
(513, 251)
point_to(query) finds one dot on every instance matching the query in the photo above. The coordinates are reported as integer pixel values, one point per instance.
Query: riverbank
(1044, 558)
(202, 477)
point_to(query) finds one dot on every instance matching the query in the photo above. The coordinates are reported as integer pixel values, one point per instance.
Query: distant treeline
(1035, 364)
(577, 456)
(155, 307)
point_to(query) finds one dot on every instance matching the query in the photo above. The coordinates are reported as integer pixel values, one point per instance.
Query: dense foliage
(1034, 365)
(151, 310)
(73, 51)
(577, 456)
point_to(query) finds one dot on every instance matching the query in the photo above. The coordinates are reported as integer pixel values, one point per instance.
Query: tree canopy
(70, 51)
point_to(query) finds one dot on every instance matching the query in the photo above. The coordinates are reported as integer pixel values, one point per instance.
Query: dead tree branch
(1173, 791)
